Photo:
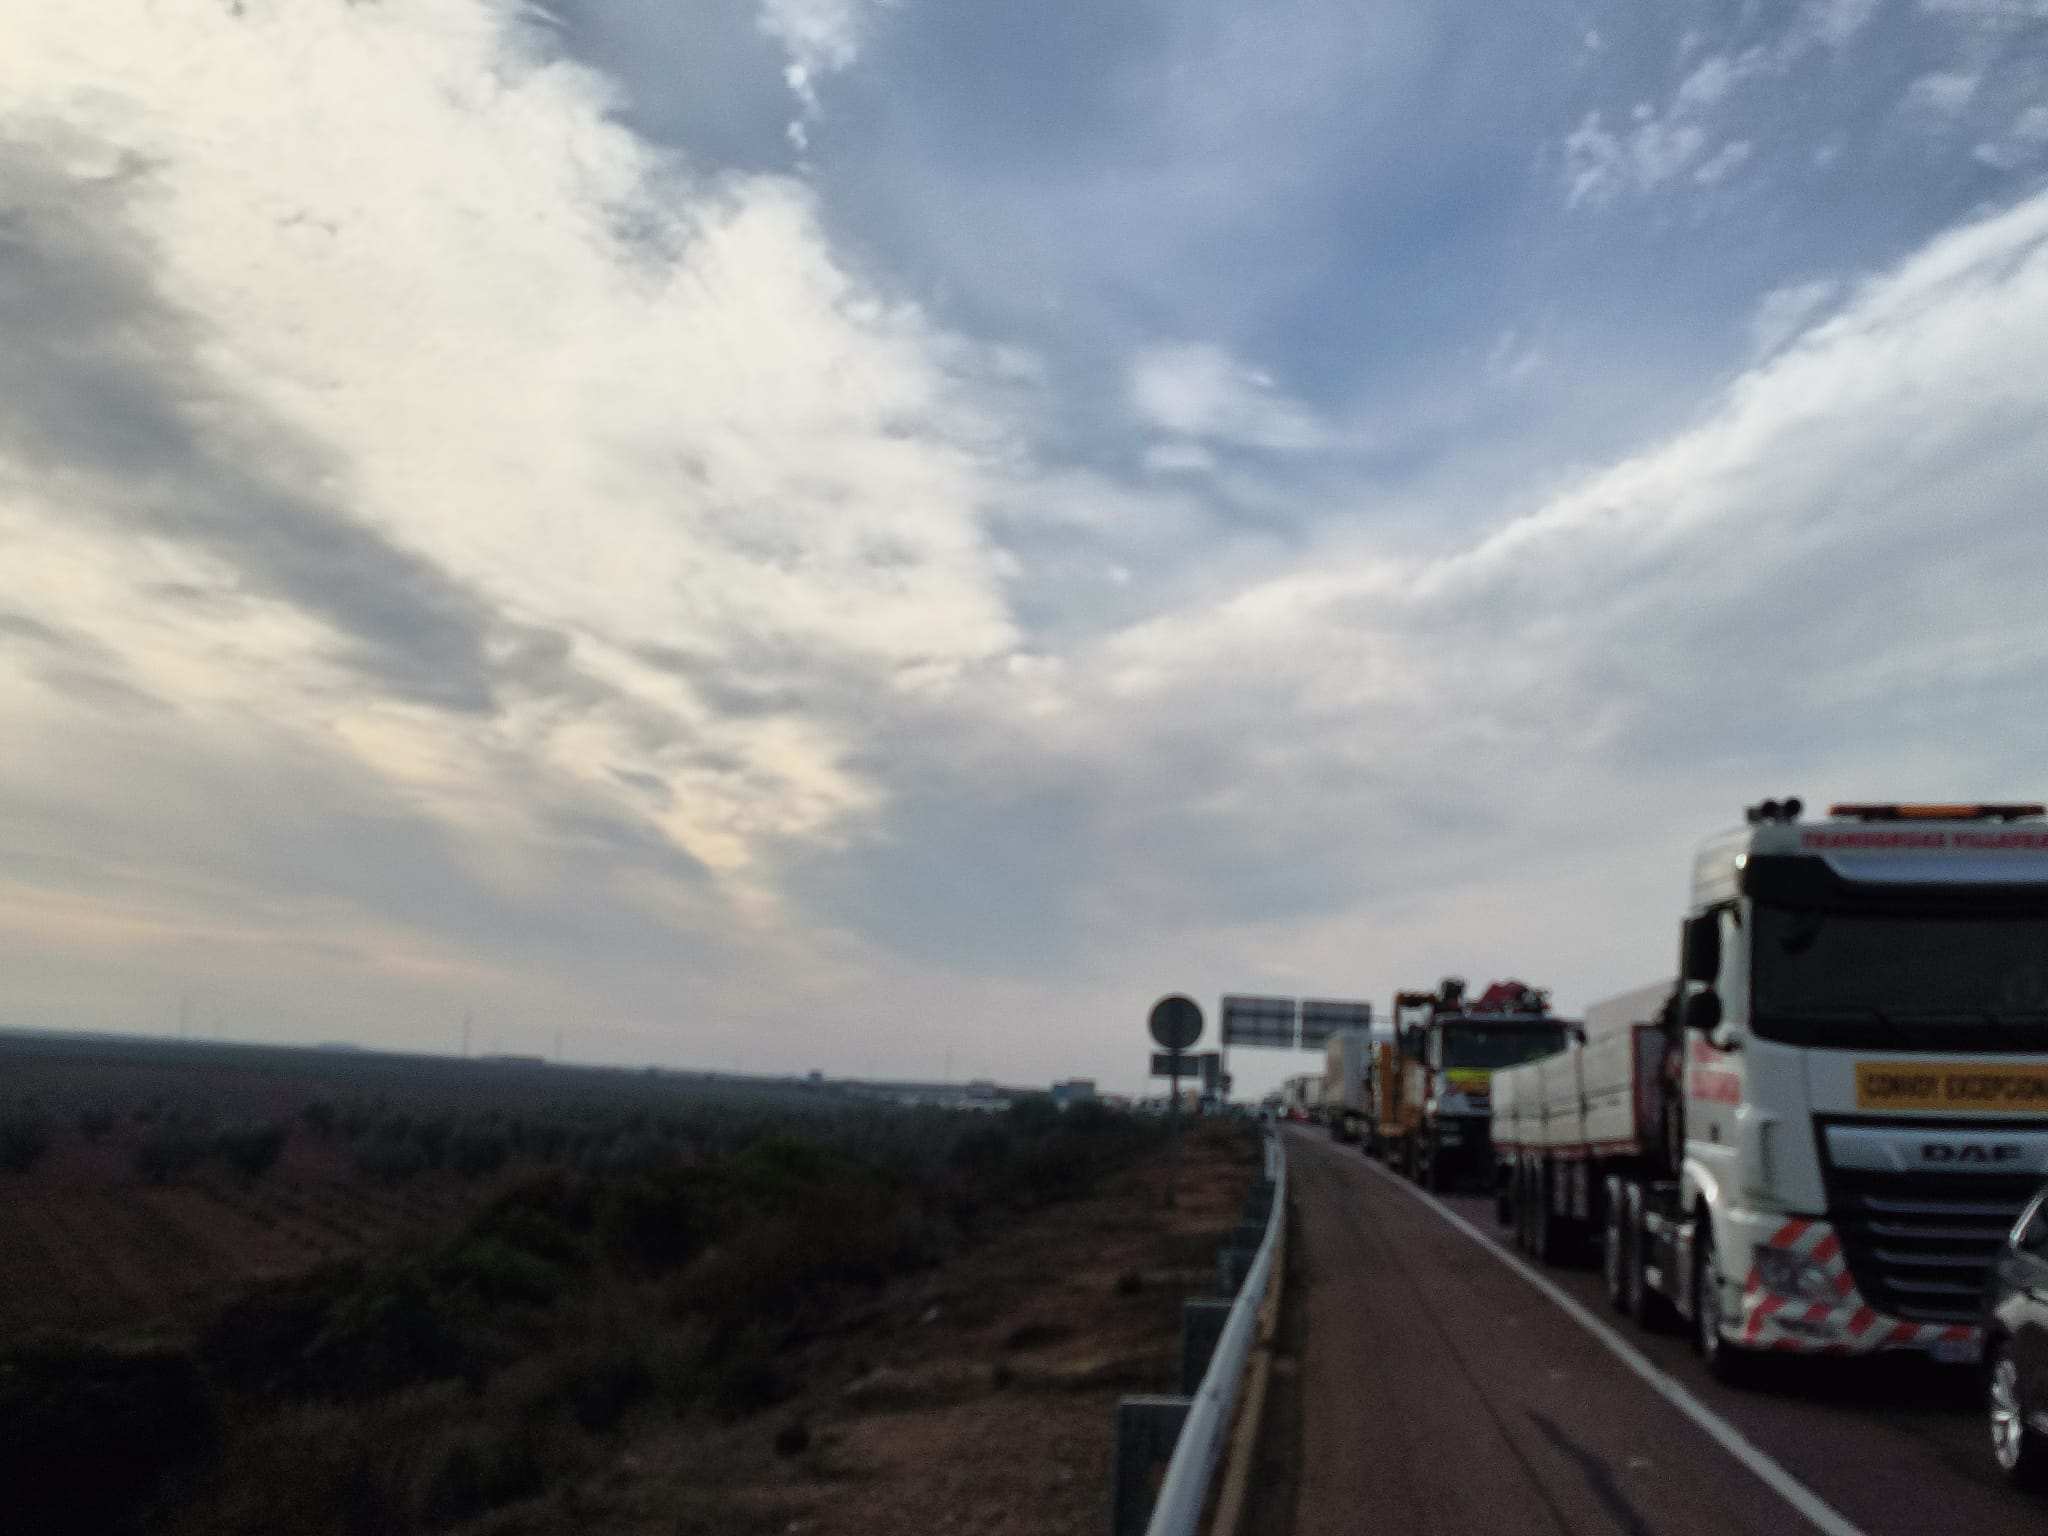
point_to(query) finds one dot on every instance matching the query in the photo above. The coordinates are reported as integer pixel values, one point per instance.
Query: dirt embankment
(978, 1398)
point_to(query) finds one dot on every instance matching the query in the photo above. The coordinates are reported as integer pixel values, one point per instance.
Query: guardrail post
(1146, 1430)
(1232, 1265)
(1201, 1325)
(1258, 1205)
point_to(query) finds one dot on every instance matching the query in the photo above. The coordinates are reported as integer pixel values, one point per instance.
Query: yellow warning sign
(1979, 1086)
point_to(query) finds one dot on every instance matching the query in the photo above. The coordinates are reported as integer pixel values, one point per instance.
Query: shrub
(87, 1431)
(391, 1331)
(259, 1343)
(1033, 1114)
(94, 1124)
(389, 1155)
(470, 1469)
(24, 1138)
(652, 1225)
(320, 1118)
(746, 1376)
(250, 1150)
(478, 1150)
(168, 1151)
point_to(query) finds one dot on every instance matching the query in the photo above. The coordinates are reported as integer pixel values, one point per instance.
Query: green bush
(169, 1150)
(88, 1430)
(389, 1155)
(470, 1469)
(24, 1138)
(94, 1124)
(250, 1150)
(259, 1343)
(478, 1150)
(651, 1225)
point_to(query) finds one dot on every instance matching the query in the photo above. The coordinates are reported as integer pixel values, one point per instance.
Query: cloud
(1179, 457)
(1784, 311)
(411, 452)
(1944, 91)
(1835, 22)
(1600, 164)
(1824, 582)
(820, 37)
(2024, 140)
(1717, 166)
(1197, 391)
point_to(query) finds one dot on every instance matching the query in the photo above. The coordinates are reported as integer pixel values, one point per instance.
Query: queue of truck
(1817, 1135)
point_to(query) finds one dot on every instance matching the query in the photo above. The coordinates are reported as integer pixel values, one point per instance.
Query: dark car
(2016, 1347)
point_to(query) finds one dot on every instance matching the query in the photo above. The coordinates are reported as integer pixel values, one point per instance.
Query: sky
(881, 536)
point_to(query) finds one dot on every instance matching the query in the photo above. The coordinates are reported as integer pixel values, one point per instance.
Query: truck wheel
(1409, 1157)
(2015, 1445)
(1729, 1364)
(1614, 1245)
(1439, 1180)
(1542, 1225)
(1653, 1311)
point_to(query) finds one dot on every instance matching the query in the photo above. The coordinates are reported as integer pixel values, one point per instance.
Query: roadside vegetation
(650, 1270)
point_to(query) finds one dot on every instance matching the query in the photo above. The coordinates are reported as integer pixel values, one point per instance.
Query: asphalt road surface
(1440, 1391)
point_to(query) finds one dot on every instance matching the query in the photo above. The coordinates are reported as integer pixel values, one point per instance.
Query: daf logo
(1968, 1152)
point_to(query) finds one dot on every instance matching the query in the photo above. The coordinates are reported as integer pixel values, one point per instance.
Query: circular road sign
(1176, 1022)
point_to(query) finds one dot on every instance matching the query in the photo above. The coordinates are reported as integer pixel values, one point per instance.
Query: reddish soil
(978, 1398)
(90, 1245)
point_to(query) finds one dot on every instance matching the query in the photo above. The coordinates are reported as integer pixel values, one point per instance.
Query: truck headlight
(1792, 1274)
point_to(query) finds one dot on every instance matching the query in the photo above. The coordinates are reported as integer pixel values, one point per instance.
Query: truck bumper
(1465, 1142)
(1837, 1322)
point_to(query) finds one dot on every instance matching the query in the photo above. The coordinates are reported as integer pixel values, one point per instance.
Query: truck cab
(1447, 1049)
(1859, 1061)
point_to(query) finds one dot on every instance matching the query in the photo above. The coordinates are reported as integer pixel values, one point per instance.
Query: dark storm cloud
(102, 393)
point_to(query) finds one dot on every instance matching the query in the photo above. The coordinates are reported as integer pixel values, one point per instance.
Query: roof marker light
(1857, 811)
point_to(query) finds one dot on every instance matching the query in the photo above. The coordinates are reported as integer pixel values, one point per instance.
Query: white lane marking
(1821, 1515)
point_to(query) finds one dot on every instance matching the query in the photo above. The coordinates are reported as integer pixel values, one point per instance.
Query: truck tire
(1614, 1244)
(1543, 1235)
(1652, 1310)
(1729, 1364)
(1438, 1180)
(1408, 1159)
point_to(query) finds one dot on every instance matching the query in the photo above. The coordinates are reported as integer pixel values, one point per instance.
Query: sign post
(1176, 1024)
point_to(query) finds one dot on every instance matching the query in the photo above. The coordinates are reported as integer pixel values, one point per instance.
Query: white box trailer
(1575, 1116)
(1344, 1110)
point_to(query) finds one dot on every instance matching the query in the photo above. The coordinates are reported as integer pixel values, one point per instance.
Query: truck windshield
(1912, 980)
(1489, 1045)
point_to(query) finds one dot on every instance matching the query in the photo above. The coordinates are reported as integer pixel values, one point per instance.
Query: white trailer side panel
(1511, 1088)
(1623, 1054)
(1562, 1104)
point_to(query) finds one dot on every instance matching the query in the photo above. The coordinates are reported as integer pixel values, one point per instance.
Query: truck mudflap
(1844, 1325)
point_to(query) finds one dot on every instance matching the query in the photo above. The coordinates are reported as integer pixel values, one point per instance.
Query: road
(1440, 1391)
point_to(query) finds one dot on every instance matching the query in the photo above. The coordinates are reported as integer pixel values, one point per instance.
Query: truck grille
(1919, 1246)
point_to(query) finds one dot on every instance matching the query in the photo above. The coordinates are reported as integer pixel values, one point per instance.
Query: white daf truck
(1815, 1139)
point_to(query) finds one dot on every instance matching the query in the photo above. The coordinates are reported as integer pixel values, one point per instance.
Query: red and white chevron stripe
(1845, 1326)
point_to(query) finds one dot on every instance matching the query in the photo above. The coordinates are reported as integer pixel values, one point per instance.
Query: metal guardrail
(1188, 1474)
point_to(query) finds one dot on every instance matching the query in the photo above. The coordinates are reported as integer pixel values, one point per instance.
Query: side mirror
(1703, 1012)
(1702, 949)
